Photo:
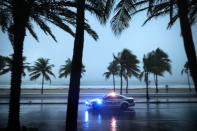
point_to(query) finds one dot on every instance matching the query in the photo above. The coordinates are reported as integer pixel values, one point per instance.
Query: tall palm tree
(113, 70)
(184, 10)
(74, 87)
(41, 68)
(128, 66)
(186, 70)
(160, 64)
(147, 65)
(65, 70)
(8, 65)
(15, 18)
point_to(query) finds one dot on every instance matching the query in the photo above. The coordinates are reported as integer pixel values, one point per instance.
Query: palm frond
(43, 26)
(36, 76)
(97, 8)
(90, 31)
(4, 71)
(46, 76)
(108, 8)
(51, 73)
(107, 75)
(172, 21)
(31, 31)
(122, 17)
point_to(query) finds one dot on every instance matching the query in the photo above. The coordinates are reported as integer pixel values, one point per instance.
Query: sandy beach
(100, 90)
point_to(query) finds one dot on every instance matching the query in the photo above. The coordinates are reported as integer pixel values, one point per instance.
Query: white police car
(111, 100)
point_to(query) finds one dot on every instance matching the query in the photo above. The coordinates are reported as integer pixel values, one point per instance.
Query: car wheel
(93, 106)
(124, 106)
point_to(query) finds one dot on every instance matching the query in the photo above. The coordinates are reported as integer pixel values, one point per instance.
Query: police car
(111, 100)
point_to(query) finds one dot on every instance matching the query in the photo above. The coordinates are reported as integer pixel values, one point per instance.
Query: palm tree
(146, 70)
(41, 68)
(119, 59)
(131, 68)
(15, 18)
(65, 70)
(184, 10)
(97, 7)
(113, 69)
(160, 64)
(8, 65)
(128, 66)
(186, 70)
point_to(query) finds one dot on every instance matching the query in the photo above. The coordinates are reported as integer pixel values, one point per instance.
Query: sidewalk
(139, 98)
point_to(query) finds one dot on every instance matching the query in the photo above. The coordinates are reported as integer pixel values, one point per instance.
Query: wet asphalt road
(142, 117)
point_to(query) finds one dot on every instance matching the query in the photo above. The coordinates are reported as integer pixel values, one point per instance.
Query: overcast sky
(97, 54)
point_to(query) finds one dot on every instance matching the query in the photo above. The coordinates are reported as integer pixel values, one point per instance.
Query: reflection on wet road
(142, 117)
(113, 125)
(105, 119)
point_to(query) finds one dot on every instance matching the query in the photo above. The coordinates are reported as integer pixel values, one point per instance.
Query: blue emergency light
(99, 101)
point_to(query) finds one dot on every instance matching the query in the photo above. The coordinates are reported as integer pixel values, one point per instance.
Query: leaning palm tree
(184, 10)
(128, 66)
(65, 70)
(186, 70)
(160, 64)
(8, 65)
(15, 18)
(113, 70)
(41, 68)
(146, 70)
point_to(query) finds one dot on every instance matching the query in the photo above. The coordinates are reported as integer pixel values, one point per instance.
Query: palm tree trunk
(156, 83)
(188, 40)
(188, 82)
(74, 87)
(114, 83)
(146, 79)
(20, 19)
(42, 84)
(127, 84)
(121, 83)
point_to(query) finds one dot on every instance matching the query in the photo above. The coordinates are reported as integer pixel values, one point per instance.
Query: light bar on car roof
(112, 94)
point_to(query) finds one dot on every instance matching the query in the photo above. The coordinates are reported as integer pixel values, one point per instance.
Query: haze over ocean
(95, 85)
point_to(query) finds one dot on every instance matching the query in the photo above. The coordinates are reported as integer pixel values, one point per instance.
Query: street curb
(156, 102)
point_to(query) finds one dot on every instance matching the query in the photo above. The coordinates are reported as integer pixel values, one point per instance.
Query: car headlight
(99, 101)
(86, 102)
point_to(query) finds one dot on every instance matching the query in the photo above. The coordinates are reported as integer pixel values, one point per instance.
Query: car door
(109, 101)
(119, 100)
(112, 101)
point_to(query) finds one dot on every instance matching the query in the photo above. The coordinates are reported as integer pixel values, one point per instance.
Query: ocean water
(52, 86)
